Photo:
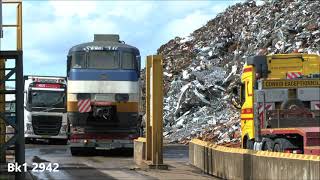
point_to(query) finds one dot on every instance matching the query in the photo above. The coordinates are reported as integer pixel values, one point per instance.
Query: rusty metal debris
(202, 71)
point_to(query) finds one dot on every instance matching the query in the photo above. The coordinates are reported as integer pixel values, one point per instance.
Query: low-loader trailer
(280, 103)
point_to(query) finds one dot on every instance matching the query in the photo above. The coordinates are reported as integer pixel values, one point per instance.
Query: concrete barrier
(236, 163)
(314, 169)
(139, 150)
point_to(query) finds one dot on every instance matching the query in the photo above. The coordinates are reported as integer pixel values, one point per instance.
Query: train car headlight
(122, 97)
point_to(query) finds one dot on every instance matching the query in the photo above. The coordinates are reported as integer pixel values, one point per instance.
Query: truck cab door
(247, 122)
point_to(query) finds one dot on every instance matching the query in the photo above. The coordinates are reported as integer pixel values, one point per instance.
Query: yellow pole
(157, 110)
(19, 26)
(148, 125)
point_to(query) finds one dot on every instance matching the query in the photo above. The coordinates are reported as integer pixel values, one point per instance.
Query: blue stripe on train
(103, 75)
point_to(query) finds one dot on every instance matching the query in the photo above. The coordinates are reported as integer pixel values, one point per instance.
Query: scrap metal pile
(202, 71)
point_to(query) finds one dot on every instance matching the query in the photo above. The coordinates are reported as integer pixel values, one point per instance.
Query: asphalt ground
(115, 164)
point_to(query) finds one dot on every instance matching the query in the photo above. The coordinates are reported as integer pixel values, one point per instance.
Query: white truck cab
(45, 113)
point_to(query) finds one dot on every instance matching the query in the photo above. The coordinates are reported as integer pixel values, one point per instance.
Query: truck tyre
(82, 151)
(267, 144)
(292, 104)
(63, 142)
(75, 151)
(27, 141)
(282, 144)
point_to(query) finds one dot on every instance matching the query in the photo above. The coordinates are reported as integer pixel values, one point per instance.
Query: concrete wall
(235, 163)
(139, 150)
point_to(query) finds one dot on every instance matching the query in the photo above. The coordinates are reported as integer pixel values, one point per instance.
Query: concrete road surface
(108, 164)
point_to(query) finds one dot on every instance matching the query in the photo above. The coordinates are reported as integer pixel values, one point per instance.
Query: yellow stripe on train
(72, 106)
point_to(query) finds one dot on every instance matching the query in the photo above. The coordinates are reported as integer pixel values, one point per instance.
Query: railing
(18, 24)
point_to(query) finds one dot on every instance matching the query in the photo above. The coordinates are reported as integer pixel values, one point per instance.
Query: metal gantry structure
(14, 75)
(154, 111)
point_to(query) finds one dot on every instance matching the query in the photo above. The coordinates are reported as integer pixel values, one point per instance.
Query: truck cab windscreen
(49, 99)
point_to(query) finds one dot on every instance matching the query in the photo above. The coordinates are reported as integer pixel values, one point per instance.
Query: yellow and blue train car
(103, 94)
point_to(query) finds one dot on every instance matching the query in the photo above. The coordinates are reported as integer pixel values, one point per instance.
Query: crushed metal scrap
(202, 71)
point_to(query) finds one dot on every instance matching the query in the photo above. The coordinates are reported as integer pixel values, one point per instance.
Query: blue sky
(50, 28)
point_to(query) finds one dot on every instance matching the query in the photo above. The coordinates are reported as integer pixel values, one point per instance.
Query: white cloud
(52, 27)
(131, 10)
(179, 8)
(73, 8)
(36, 56)
(184, 26)
(53, 37)
(8, 42)
(219, 8)
(9, 11)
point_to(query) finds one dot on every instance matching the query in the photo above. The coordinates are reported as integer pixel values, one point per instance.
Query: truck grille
(46, 125)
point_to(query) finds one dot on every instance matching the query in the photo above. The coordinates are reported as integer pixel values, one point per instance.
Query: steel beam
(18, 139)
(2, 110)
(20, 145)
(157, 109)
(148, 125)
(154, 112)
(18, 124)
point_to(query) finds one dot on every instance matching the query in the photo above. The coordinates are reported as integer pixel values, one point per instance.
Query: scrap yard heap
(202, 71)
(238, 98)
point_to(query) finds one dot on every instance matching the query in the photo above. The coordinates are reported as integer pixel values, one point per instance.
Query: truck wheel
(292, 104)
(82, 151)
(281, 145)
(267, 144)
(58, 141)
(75, 151)
(27, 141)
(63, 142)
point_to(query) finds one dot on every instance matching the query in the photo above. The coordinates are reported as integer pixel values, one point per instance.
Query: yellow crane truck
(280, 103)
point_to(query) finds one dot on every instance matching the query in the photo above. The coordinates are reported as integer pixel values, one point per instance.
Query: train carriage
(103, 94)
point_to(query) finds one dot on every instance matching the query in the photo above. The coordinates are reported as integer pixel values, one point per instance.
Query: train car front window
(78, 60)
(103, 60)
(128, 60)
